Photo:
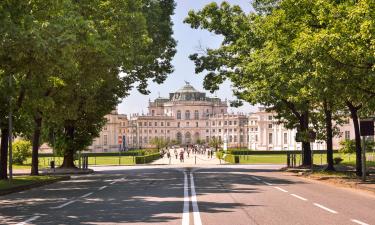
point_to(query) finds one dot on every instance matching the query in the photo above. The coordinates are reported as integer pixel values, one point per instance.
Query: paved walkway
(193, 159)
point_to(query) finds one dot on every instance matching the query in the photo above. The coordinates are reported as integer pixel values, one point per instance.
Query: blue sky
(188, 41)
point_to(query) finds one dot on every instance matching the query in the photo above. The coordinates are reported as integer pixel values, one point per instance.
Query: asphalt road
(232, 195)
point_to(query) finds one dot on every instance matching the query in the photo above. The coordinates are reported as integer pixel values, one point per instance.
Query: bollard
(288, 159)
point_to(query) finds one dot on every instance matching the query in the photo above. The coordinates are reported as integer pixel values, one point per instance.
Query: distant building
(186, 116)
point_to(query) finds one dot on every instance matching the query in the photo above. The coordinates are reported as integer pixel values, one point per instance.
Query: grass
(319, 159)
(24, 180)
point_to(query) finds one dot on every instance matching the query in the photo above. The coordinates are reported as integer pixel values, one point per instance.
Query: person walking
(175, 153)
(182, 156)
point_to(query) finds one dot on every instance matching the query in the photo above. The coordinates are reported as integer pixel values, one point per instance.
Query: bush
(337, 160)
(146, 158)
(21, 150)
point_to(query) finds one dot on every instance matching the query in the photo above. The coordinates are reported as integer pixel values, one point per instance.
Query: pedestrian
(168, 154)
(182, 156)
(175, 153)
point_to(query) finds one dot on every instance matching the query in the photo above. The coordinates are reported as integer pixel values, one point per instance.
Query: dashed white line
(113, 182)
(86, 195)
(63, 205)
(279, 188)
(101, 188)
(29, 220)
(299, 197)
(266, 183)
(185, 212)
(256, 178)
(197, 217)
(358, 222)
(325, 208)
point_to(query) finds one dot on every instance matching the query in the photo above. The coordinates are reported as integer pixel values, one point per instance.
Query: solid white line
(197, 217)
(29, 220)
(185, 212)
(256, 178)
(297, 196)
(101, 188)
(358, 222)
(86, 195)
(63, 205)
(283, 190)
(266, 183)
(325, 208)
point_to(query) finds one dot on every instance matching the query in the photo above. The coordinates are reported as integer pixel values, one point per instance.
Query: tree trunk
(329, 137)
(304, 124)
(69, 151)
(4, 154)
(36, 143)
(354, 115)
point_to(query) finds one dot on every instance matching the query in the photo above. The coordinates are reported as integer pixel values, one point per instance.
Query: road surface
(213, 194)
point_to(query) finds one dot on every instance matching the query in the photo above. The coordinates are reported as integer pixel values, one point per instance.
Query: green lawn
(319, 159)
(25, 180)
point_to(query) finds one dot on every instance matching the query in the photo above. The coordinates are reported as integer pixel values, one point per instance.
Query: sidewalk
(193, 159)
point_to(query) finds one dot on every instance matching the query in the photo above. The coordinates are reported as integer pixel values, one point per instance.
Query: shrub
(337, 160)
(21, 150)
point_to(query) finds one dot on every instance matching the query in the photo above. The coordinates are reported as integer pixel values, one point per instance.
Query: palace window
(196, 115)
(347, 135)
(105, 141)
(178, 114)
(270, 138)
(230, 123)
(285, 138)
(168, 124)
(187, 114)
(162, 124)
(270, 125)
(156, 124)
(196, 124)
(145, 124)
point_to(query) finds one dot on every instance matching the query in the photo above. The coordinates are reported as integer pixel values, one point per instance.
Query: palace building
(187, 116)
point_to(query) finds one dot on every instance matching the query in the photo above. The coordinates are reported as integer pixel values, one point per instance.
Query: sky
(188, 41)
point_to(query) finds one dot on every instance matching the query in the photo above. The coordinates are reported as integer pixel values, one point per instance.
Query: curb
(30, 186)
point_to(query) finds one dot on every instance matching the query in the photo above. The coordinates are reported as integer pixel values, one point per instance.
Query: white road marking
(279, 188)
(63, 205)
(297, 196)
(185, 213)
(113, 182)
(325, 208)
(101, 188)
(256, 178)
(358, 222)
(29, 220)
(266, 183)
(196, 214)
(86, 195)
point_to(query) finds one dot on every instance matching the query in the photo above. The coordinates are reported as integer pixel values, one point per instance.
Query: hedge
(146, 159)
(141, 152)
(271, 152)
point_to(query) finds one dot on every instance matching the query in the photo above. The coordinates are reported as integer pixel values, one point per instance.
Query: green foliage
(146, 158)
(215, 142)
(159, 142)
(347, 146)
(21, 151)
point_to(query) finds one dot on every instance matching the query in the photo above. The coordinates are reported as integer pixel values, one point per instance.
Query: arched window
(187, 115)
(179, 137)
(196, 137)
(178, 114)
(196, 115)
(187, 138)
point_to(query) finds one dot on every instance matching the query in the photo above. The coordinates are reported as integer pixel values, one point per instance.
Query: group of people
(190, 149)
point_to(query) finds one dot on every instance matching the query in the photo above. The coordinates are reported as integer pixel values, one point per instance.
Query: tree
(159, 142)
(21, 151)
(215, 143)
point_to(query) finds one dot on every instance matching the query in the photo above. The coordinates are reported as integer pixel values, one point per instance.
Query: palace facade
(187, 116)
(190, 116)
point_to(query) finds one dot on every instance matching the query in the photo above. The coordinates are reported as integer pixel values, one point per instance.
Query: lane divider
(196, 214)
(279, 188)
(63, 205)
(86, 195)
(101, 188)
(358, 222)
(29, 220)
(185, 212)
(299, 197)
(325, 208)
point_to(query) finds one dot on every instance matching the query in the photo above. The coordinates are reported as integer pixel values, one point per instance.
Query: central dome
(187, 93)
(187, 88)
